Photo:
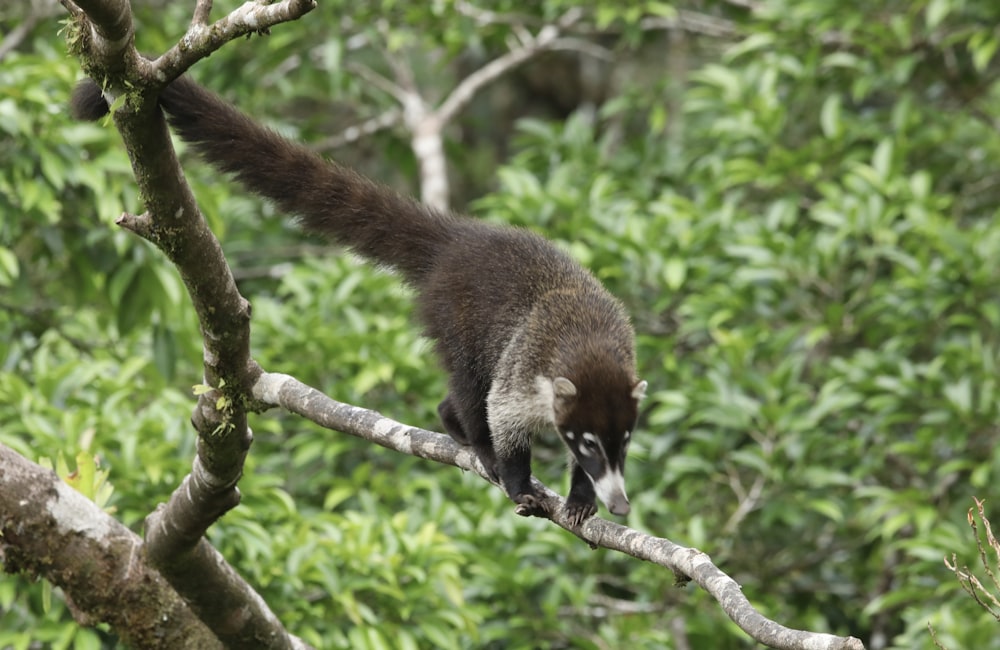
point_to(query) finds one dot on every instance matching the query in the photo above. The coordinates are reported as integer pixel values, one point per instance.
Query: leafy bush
(806, 239)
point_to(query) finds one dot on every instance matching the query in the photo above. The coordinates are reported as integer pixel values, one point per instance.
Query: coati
(531, 341)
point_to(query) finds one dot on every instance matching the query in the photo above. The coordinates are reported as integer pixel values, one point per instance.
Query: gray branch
(351, 134)
(687, 563)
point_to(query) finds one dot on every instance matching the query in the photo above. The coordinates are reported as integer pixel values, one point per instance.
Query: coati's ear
(563, 394)
(639, 391)
(563, 387)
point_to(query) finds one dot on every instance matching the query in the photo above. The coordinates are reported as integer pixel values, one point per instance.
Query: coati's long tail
(329, 199)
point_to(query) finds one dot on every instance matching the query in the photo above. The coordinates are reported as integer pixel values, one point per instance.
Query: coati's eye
(590, 444)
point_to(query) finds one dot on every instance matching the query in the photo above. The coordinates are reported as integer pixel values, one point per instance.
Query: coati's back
(531, 340)
(489, 280)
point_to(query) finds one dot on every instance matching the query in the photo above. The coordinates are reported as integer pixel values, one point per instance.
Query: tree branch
(372, 125)
(174, 533)
(47, 528)
(201, 39)
(40, 10)
(426, 124)
(530, 47)
(287, 392)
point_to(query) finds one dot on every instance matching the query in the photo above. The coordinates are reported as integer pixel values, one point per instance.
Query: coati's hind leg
(581, 502)
(463, 414)
(452, 425)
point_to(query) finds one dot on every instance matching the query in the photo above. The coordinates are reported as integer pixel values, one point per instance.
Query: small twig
(530, 46)
(607, 607)
(990, 540)
(202, 10)
(934, 638)
(748, 501)
(486, 17)
(202, 39)
(386, 120)
(382, 83)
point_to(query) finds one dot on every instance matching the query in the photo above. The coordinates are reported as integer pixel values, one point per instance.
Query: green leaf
(983, 47)
(8, 267)
(828, 508)
(674, 272)
(936, 12)
(959, 394)
(882, 159)
(829, 116)
(46, 596)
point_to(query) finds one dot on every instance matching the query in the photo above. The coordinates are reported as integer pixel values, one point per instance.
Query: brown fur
(503, 305)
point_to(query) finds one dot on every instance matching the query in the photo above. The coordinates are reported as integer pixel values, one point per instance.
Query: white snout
(618, 506)
(610, 489)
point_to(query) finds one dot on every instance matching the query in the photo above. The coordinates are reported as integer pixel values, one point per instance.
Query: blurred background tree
(797, 201)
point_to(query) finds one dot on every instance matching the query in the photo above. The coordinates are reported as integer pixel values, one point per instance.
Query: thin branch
(608, 607)
(591, 49)
(991, 541)
(201, 39)
(202, 11)
(273, 389)
(968, 580)
(401, 94)
(748, 500)
(486, 17)
(934, 639)
(691, 21)
(371, 126)
(39, 12)
(530, 47)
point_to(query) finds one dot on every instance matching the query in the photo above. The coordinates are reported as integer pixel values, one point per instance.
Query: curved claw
(528, 505)
(580, 511)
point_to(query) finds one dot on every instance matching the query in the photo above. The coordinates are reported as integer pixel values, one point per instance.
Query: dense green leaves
(804, 226)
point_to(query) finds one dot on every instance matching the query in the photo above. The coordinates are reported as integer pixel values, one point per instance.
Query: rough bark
(49, 529)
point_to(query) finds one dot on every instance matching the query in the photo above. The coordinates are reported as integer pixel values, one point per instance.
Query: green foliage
(804, 228)
(63, 267)
(87, 478)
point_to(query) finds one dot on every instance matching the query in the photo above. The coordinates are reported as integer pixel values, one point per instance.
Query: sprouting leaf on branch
(87, 478)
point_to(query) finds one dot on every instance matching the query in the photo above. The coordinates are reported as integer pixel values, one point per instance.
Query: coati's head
(596, 421)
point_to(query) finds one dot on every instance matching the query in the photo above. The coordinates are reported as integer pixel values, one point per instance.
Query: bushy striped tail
(372, 220)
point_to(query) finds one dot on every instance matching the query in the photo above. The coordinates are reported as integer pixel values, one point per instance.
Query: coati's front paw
(580, 510)
(529, 505)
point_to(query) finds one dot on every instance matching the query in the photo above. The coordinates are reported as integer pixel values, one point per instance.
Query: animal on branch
(531, 340)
